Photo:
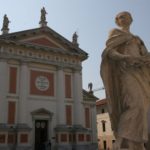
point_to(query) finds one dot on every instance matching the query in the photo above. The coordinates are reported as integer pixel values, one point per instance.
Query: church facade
(41, 98)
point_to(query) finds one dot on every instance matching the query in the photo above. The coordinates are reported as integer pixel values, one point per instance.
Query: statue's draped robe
(127, 86)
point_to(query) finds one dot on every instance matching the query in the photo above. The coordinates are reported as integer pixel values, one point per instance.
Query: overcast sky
(92, 19)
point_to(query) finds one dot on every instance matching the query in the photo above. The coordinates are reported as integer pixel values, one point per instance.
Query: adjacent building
(105, 133)
(41, 96)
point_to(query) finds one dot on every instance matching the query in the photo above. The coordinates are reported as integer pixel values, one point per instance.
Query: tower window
(104, 125)
(104, 145)
(103, 110)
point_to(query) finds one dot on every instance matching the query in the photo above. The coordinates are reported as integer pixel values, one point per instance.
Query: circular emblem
(42, 83)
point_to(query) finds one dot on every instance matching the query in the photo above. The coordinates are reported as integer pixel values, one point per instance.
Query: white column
(23, 90)
(78, 98)
(3, 91)
(94, 123)
(61, 118)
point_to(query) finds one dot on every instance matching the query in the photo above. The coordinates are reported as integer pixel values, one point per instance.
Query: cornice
(26, 60)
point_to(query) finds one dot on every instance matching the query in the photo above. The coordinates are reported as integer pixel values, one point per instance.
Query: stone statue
(43, 14)
(90, 86)
(43, 21)
(5, 23)
(75, 39)
(126, 76)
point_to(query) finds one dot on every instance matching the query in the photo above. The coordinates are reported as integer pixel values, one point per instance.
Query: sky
(91, 19)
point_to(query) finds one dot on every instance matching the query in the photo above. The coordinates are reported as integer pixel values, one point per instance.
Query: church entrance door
(41, 134)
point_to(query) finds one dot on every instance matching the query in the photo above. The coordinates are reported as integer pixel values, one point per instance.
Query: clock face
(42, 83)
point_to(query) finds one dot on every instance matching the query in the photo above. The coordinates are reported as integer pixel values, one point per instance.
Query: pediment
(40, 36)
(42, 40)
(41, 111)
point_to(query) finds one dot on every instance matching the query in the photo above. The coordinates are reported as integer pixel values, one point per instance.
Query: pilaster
(60, 97)
(22, 106)
(93, 123)
(3, 90)
(78, 98)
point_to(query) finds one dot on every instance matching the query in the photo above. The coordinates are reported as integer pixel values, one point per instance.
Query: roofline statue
(75, 39)
(43, 21)
(5, 28)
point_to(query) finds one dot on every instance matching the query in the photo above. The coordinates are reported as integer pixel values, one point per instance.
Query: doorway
(41, 134)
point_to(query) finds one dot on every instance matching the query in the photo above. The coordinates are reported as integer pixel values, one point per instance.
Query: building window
(12, 80)
(24, 138)
(11, 112)
(104, 125)
(87, 117)
(68, 86)
(63, 137)
(68, 114)
(2, 138)
(81, 137)
(113, 141)
(104, 145)
(103, 110)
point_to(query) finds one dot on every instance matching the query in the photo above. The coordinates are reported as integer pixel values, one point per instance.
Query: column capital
(76, 70)
(24, 62)
(59, 68)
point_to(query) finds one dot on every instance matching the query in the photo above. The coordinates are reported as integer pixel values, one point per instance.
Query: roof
(101, 102)
(87, 96)
(20, 39)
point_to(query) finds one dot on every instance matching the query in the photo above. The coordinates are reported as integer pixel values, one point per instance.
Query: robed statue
(43, 14)
(125, 71)
(43, 21)
(6, 22)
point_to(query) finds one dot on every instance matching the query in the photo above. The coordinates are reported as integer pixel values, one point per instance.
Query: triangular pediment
(43, 40)
(40, 36)
(42, 111)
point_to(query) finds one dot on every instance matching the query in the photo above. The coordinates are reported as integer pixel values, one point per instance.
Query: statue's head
(123, 19)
